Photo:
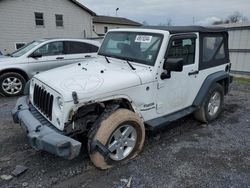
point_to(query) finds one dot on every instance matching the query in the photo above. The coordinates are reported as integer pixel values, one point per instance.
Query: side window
(80, 47)
(52, 48)
(39, 20)
(182, 48)
(59, 20)
(19, 45)
(213, 48)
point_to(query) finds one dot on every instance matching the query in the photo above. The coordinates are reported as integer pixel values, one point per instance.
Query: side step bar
(163, 121)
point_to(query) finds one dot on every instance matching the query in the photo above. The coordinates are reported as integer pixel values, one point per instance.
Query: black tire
(205, 113)
(12, 90)
(105, 133)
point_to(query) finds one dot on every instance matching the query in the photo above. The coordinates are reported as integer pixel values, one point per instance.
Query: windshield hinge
(160, 85)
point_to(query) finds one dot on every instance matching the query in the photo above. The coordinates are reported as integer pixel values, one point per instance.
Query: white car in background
(38, 56)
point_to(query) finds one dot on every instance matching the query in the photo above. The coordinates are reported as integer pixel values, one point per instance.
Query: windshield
(133, 46)
(25, 49)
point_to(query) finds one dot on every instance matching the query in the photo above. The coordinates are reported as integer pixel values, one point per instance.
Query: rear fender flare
(209, 81)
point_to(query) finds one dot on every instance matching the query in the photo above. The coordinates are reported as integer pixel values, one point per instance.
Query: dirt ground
(186, 154)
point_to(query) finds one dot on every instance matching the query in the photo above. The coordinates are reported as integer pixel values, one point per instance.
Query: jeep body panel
(126, 82)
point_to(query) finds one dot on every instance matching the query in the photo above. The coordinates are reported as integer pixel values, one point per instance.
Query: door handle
(87, 56)
(193, 73)
(60, 58)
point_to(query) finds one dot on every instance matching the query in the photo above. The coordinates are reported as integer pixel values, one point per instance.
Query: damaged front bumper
(41, 134)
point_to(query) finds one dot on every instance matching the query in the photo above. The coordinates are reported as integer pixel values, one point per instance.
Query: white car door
(48, 56)
(179, 91)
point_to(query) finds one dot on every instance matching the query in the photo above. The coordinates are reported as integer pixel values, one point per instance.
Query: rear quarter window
(213, 50)
(79, 47)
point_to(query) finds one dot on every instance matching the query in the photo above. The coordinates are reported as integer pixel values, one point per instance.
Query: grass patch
(241, 80)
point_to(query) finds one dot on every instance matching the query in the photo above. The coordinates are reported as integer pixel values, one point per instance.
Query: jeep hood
(93, 78)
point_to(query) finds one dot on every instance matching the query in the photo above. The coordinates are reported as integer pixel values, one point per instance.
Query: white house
(22, 21)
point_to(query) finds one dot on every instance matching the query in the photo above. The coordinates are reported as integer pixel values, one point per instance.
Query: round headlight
(60, 103)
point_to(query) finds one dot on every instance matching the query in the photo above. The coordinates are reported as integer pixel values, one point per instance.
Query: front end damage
(42, 135)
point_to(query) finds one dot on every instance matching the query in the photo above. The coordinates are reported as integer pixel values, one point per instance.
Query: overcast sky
(181, 12)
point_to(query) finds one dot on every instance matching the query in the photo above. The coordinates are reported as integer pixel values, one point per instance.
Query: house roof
(115, 20)
(184, 29)
(83, 7)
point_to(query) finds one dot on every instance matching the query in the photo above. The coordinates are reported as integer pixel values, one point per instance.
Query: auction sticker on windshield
(143, 38)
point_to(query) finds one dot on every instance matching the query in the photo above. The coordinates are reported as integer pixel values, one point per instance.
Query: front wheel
(123, 134)
(12, 84)
(212, 104)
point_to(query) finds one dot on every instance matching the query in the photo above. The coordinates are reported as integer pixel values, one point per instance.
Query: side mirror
(171, 64)
(36, 55)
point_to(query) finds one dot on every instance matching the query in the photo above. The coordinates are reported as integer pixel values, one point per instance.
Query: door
(178, 91)
(52, 55)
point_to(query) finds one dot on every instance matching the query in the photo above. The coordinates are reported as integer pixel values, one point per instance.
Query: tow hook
(97, 146)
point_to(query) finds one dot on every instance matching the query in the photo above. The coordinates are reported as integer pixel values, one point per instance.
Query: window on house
(105, 29)
(19, 45)
(59, 20)
(39, 19)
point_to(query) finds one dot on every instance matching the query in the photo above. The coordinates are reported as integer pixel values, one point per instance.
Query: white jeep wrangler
(143, 78)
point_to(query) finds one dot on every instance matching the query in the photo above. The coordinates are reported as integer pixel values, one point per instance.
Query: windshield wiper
(107, 59)
(131, 66)
(126, 60)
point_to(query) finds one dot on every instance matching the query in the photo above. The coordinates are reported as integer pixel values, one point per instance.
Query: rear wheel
(123, 134)
(12, 84)
(212, 105)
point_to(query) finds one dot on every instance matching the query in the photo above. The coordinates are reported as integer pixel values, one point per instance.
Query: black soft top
(185, 29)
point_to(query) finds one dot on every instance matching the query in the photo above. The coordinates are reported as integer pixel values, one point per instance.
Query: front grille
(43, 100)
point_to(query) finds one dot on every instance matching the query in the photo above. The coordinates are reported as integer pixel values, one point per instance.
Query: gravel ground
(185, 154)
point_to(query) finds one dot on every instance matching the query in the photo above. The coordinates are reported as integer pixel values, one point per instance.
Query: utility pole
(116, 11)
(193, 20)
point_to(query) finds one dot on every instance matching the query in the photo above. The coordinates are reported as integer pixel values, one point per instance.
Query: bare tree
(167, 23)
(233, 18)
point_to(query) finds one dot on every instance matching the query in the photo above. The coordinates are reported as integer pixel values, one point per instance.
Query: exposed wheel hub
(214, 103)
(122, 142)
